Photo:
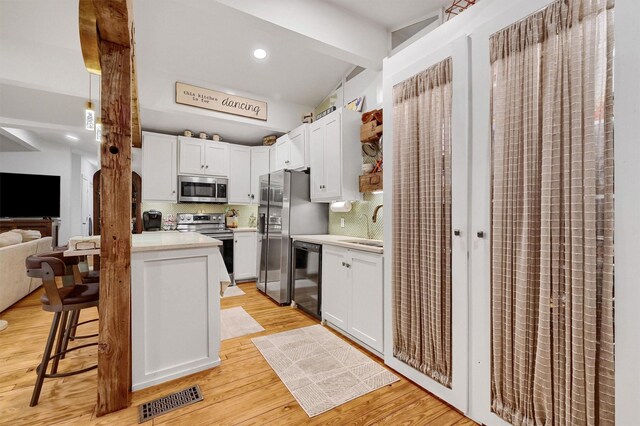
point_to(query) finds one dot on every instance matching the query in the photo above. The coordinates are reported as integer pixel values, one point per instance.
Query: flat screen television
(23, 195)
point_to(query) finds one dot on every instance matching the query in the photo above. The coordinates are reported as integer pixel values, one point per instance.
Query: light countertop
(246, 229)
(156, 241)
(340, 241)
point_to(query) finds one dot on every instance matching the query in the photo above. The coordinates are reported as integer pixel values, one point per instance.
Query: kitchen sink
(365, 243)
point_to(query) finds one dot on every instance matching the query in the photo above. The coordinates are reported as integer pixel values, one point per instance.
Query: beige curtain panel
(552, 217)
(422, 222)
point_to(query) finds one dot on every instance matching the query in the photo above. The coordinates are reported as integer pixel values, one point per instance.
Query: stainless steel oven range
(212, 225)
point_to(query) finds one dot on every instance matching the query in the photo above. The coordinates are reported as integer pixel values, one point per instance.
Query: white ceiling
(391, 13)
(202, 42)
(213, 43)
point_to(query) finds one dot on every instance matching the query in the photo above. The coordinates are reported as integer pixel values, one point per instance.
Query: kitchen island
(175, 305)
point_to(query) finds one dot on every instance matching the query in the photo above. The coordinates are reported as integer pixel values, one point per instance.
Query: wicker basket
(269, 140)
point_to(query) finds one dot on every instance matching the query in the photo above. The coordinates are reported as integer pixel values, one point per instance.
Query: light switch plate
(342, 222)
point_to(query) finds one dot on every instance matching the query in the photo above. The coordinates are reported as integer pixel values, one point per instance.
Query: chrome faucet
(375, 213)
(366, 220)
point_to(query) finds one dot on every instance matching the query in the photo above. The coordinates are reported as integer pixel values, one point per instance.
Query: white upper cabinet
(216, 156)
(292, 150)
(332, 186)
(239, 189)
(246, 165)
(159, 161)
(201, 157)
(335, 157)
(299, 148)
(283, 151)
(272, 158)
(316, 146)
(191, 156)
(259, 167)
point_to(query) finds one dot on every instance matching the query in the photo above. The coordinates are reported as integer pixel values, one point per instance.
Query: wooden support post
(114, 349)
(107, 40)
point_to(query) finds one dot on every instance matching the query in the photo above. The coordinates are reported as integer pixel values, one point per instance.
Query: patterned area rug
(233, 291)
(321, 370)
(236, 322)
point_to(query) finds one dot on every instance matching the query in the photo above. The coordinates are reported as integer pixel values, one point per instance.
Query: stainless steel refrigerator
(285, 209)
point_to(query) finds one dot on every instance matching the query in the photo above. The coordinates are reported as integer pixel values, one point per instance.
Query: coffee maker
(152, 220)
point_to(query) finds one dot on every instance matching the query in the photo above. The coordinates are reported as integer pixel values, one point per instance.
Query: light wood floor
(243, 390)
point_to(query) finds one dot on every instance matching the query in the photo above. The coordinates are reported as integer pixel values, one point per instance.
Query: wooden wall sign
(187, 94)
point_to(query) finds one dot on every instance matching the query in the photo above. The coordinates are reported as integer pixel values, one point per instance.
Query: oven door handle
(220, 237)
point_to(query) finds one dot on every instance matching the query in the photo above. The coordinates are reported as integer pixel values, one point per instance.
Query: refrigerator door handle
(262, 226)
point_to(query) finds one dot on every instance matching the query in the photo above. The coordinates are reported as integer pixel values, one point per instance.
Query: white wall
(75, 225)
(81, 168)
(52, 159)
(368, 84)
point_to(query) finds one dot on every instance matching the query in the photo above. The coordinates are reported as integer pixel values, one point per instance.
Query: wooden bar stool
(73, 275)
(60, 301)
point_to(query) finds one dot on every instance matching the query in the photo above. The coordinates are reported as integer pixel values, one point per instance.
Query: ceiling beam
(89, 37)
(330, 29)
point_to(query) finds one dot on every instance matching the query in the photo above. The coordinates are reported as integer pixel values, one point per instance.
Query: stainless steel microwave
(200, 189)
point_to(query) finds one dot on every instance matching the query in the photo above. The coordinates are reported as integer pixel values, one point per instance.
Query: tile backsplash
(358, 222)
(175, 208)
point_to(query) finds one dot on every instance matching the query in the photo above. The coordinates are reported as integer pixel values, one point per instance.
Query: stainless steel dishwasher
(307, 277)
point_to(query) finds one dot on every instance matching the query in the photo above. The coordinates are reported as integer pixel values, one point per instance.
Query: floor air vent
(163, 405)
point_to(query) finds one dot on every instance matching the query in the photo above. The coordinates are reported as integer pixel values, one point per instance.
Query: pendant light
(89, 113)
(98, 130)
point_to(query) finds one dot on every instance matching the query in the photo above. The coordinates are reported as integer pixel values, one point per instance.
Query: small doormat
(157, 407)
(233, 291)
(321, 370)
(236, 322)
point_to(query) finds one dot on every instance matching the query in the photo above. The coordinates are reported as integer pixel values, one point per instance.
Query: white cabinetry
(352, 294)
(200, 157)
(239, 190)
(282, 153)
(245, 251)
(246, 165)
(366, 314)
(335, 157)
(259, 167)
(272, 159)
(159, 161)
(216, 156)
(191, 156)
(299, 148)
(335, 291)
(292, 150)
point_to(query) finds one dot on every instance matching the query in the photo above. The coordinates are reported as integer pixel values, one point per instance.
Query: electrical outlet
(342, 222)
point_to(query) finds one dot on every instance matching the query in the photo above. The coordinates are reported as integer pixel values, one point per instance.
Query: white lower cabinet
(245, 250)
(335, 289)
(352, 294)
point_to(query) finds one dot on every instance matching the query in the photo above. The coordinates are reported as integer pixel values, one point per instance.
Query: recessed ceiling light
(73, 138)
(260, 53)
